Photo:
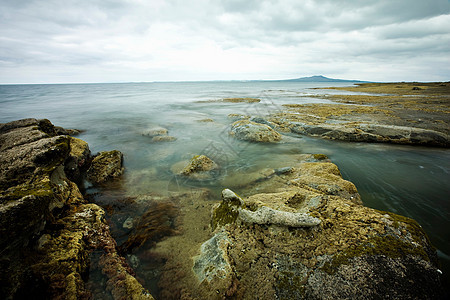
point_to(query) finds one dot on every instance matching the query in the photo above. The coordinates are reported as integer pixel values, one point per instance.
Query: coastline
(296, 223)
(300, 228)
(399, 113)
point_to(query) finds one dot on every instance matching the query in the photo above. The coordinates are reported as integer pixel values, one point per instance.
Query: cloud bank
(51, 41)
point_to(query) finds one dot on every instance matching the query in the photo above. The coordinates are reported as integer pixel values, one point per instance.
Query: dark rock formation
(47, 229)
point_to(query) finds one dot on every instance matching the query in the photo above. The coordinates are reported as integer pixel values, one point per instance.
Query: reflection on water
(412, 181)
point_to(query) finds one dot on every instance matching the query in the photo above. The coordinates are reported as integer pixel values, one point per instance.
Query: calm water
(412, 181)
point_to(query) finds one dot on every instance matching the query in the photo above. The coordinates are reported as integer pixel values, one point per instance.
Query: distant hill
(320, 78)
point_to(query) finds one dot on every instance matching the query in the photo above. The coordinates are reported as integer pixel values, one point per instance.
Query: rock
(230, 196)
(242, 100)
(106, 165)
(406, 135)
(254, 132)
(388, 113)
(29, 158)
(159, 134)
(261, 120)
(47, 230)
(243, 179)
(340, 250)
(78, 161)
(374, 133)
(228, 210)
(284, 170)
(163, 138)
(237, 117)
(128, 224)
(266, 215)
(200, 167)
(233, 208)
(156, 131)
(212, 261)
(62, 131)
(205, 120)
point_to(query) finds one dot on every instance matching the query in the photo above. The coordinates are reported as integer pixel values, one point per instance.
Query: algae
(227, 212)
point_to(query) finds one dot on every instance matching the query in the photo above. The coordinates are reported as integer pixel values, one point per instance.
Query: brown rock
(106, 165)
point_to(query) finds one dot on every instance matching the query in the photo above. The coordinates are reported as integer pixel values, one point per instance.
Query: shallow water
(412, 181)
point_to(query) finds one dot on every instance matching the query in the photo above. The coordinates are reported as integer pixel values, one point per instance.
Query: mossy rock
(105, 166)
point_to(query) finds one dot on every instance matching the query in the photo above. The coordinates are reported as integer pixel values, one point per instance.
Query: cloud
(138, 40)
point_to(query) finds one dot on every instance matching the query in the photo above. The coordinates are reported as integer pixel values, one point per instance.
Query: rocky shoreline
(48, 230)
(298, 231)
(399, 113)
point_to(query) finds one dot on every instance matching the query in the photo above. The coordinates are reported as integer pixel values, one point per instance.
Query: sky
(75, 41)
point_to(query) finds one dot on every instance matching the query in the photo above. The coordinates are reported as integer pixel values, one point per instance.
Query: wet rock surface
(254, 132)
(105, 166)
(48, 230)
(200, 167)
(159, 134)
(339, 250)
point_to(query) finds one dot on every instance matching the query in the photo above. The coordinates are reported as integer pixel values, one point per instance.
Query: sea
(412, 181)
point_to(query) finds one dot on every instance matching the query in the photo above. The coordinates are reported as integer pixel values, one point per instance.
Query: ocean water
(411, 181)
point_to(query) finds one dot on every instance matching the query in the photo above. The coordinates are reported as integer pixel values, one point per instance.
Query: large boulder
(312, 238)
(254, 132)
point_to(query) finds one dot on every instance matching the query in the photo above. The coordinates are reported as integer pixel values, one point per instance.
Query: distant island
(320, 78)
(315, 78)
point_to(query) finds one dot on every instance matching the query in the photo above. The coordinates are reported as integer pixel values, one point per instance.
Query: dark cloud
(231, 39)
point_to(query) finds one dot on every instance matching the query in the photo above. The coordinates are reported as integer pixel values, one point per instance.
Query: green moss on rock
(226, 213)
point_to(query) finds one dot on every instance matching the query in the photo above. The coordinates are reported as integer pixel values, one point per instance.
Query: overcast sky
(57, 41)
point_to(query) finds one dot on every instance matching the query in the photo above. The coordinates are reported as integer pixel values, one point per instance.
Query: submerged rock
(163, 138)
(200, 167)
(207, 120)
(254, 132)
(156, 223)
(159, 134)
(156, 131)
